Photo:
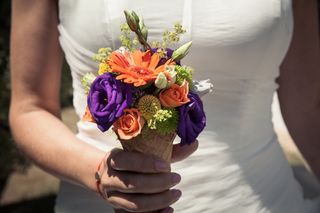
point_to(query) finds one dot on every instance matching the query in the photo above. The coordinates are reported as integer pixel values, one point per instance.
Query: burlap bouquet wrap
(151, 142)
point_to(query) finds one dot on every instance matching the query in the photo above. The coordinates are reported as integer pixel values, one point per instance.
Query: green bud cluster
(172, 37)
(184, 73)
(102, 54)
(165, 121)
(87, 80)
(125, 37)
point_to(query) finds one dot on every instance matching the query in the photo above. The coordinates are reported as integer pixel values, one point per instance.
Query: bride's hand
(139, 183)
(181, 152)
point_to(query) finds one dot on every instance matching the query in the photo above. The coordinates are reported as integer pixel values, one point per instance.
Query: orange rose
(175, 96)
(129, 125)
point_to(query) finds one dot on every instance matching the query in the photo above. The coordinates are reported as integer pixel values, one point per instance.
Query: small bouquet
(145, 93)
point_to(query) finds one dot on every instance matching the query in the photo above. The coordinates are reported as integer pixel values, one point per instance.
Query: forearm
(52, 146)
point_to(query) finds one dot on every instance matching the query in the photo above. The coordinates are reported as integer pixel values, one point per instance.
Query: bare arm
(36, 60)
(299, 91)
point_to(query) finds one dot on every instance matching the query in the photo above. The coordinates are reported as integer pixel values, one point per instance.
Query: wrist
(91, 159)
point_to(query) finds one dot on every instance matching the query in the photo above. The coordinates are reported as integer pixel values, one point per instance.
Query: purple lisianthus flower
(107, 99)
(192, 119)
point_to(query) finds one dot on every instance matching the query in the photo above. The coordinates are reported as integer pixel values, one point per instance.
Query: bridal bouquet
(144, 92)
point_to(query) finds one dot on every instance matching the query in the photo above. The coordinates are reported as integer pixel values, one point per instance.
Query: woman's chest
(238, 31)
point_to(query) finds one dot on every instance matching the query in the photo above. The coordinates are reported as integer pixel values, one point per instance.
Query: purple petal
(191, 120)
(106, 100)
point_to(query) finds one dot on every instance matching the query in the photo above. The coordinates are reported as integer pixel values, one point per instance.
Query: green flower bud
(136, 17)
(143, 29)
(144, 32)
(161, 81)
(181, 52)
(132, 23)
(141, 23)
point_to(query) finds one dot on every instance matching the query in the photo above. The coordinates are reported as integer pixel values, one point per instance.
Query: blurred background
(24, 188)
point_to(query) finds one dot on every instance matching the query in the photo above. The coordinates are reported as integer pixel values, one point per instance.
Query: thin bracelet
(98, 176)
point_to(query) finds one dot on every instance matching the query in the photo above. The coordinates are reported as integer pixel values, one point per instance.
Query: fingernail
(167, 210)
(176, 193)
(175, 178)
(161, 166)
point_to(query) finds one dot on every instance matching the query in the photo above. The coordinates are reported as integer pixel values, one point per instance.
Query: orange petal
(175, 96)
(88, 116)
(160, 69)
(116, 68)
(146, 57)
(119, 59)
(185, 85)
(136, 124)
(155, 58)
(137, 57)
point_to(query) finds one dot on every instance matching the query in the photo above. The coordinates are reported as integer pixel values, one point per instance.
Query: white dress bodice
(239, 45)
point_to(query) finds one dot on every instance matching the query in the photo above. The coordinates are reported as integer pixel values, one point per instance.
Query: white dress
(239, 44)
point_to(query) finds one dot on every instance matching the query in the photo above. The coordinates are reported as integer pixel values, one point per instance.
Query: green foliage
(184, 73)
(165, 121)
(170, 37)
(87, 80)
(102, 54)
(126, 38)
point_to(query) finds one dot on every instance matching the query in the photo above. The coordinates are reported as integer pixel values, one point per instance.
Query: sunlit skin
(35, 102)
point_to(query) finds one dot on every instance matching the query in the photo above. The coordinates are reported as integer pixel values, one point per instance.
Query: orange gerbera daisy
(137, 68)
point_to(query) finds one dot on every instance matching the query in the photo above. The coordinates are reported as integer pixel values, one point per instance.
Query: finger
(140, 183)
(166, 210)
(143, 202)
(137, 162)
(181, 152)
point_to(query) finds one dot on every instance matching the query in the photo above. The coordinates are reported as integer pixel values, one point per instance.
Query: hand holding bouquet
(144, 92)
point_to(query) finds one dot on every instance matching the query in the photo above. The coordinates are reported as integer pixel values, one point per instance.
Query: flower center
(141, 70)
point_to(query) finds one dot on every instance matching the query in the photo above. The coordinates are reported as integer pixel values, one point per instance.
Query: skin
(36, 59)
(299, 81)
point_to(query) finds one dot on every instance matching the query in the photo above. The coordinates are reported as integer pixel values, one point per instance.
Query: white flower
(161, 81)
(202, 87)
(123, 50)
(172, 75)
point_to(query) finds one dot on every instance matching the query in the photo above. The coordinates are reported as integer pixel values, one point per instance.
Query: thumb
(181, 152)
